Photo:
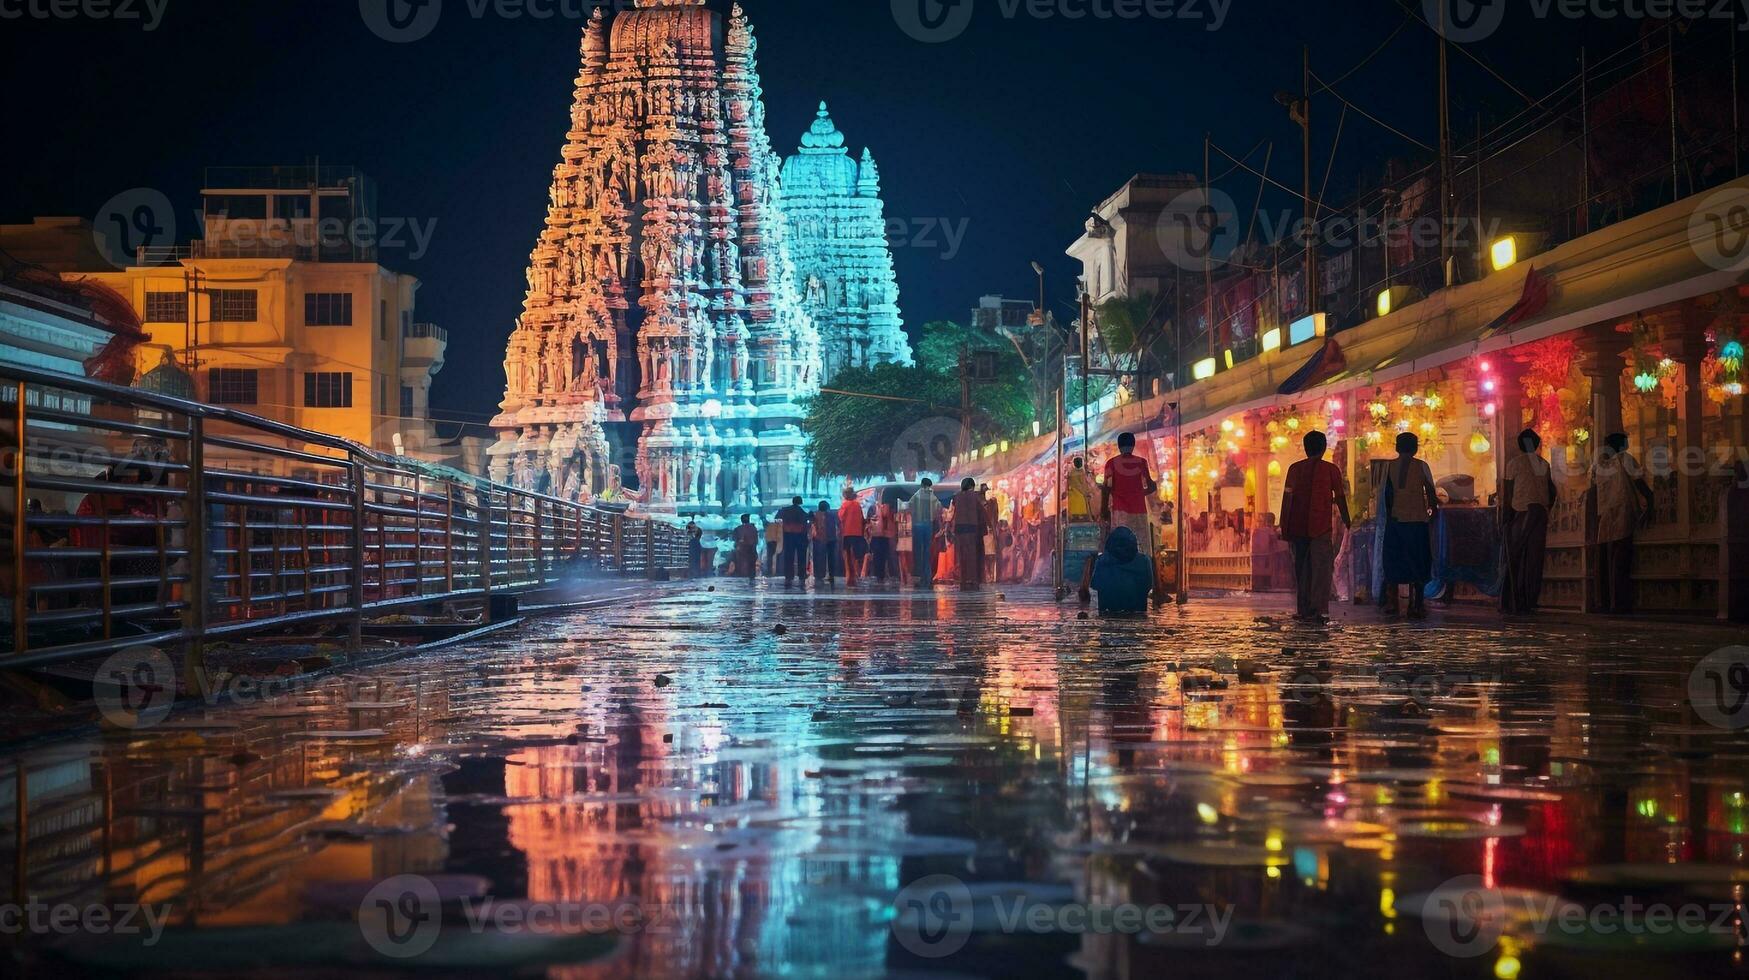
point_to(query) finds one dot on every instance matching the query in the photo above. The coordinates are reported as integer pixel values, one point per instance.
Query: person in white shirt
(1527, 492)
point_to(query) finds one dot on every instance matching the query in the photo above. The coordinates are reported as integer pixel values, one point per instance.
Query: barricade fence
(139, 518)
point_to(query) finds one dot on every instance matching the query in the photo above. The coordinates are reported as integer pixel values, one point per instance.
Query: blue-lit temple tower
(838, 242)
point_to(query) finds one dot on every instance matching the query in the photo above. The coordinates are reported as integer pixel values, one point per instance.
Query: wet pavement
(749, 782)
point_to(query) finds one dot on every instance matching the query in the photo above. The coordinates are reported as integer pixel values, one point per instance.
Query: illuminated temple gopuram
(664, 326)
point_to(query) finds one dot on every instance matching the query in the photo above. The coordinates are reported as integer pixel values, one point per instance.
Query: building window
(233, 386)
(328, 309)
(233, 306)
(383, 319)
(328, 389)
(406, 401)
(167, 307)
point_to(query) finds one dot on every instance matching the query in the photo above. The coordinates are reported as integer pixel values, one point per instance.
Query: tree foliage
(855, 425)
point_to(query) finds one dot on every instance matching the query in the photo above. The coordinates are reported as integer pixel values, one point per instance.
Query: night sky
(1011, 131)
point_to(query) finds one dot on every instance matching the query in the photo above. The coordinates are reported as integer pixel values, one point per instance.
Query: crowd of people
(967, 541)
(963, 539)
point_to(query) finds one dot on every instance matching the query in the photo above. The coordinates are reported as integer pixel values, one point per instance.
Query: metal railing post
(650, 549)
(357, 553)
(540, 564)
(619, 543)
(448, 536)
(199, 560)
(485, 545)
(20, 540)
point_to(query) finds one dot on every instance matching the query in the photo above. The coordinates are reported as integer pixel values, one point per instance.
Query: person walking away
(773, 546)
(1079, 492)
(852, 530)
(1621, 502)
(925, 509)
(795, 542)
(1527, 492)
(1128, 484)
(694, 548)
(969, 528)
(992, 540)
(1314, 488)
(825, 535)
(1409, 503)
(1121, 574)
(746, 540)
(880, 539)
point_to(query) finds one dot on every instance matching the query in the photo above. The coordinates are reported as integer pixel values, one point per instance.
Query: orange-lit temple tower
(662, 326)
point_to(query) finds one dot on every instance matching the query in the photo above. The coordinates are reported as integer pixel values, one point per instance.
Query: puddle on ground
(1372, 799)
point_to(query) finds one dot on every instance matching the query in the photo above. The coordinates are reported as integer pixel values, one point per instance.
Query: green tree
(1135, 332)
(854, 426)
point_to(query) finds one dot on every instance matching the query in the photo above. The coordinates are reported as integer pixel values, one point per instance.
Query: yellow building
(281, 309)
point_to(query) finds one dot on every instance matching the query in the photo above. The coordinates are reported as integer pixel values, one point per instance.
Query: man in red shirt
(1124, 497)
(1314, 486)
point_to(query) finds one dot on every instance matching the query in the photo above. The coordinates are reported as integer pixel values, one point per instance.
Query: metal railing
(140, 518)
(420, 331)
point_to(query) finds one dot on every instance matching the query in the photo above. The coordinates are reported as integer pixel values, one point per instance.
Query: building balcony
(423, 345)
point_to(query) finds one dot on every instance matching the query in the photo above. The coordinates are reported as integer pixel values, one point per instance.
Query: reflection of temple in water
(739, 858)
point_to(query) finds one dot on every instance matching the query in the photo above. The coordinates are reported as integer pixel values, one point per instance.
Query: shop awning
(1319, 368)
(1537, 290)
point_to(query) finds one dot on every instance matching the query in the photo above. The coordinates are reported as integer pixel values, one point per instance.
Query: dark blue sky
(1010, 131)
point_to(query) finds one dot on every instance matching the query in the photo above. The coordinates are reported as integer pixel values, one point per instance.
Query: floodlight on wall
(1204, 369)
(1272, 339)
